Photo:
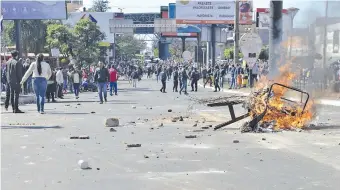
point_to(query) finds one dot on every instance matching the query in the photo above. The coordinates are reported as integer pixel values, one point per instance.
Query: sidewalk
(329, 101)
(23, 99)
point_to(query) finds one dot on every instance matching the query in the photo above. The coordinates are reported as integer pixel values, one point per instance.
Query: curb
(325, 102)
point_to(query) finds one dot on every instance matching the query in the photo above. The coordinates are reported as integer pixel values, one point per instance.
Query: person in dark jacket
(175, 79)
(14, 75)
(101, 77)
(217, 79)
(51, 87)
(184, 79)
(195, 76)
(163, 76)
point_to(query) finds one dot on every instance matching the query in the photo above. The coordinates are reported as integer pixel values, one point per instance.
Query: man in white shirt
(75, 77)
(60, 82)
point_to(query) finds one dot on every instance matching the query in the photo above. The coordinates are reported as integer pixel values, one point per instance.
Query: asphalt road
(37, 152)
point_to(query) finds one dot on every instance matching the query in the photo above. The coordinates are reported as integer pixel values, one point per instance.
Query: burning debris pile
(270, 110)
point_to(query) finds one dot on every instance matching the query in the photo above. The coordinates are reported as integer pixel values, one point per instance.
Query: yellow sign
(104, 44)
(184, 2)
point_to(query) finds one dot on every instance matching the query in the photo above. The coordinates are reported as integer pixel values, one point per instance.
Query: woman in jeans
(41, 73)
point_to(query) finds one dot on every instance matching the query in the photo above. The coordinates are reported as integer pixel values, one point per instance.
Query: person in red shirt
(113, 80)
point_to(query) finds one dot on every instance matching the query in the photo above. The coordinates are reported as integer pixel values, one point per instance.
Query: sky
(309, 9)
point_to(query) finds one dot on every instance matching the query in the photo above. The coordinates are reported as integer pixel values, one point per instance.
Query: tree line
(81, 42)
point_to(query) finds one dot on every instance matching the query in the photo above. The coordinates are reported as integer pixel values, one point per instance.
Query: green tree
(9, 33)
(33, 35)
(100, 6)
(155, 52)
(127, 46)
(86, 47)
(229, 53)
(264, 54)
(59, 36)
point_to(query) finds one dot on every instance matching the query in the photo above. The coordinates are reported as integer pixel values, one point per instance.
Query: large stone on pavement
(112, 122)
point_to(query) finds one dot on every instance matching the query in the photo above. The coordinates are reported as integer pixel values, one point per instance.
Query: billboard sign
(212, 12)
(172, 10)
(33, 9)
(263, 18)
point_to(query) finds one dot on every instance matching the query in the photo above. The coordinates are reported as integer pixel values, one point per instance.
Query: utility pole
(237, 32)
(324, 63)
(275, 36)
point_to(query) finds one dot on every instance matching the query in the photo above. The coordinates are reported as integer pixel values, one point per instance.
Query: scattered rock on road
(264, 139)
(78, 104)
(83, 165)
(113, 130)
(191, 136)
(133, 107)
(236, 141)
(169, 110)
(134, 145)
(195, 125)
(146, 156)
(112, 122)
(161, 125)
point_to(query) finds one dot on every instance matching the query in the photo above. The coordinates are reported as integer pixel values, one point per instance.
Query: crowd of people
(38, 77)
(50, 83)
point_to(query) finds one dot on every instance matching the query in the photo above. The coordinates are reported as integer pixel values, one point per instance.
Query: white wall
(102, 21)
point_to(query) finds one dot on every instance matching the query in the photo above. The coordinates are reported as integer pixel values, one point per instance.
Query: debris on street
(134, 145)
(113, 130)
(83, 165)
(169, 110)
(84, 137)
(112, 122)
(236, 141)
(191, 136)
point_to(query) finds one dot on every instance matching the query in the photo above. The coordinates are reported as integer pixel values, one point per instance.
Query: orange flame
(284, 115)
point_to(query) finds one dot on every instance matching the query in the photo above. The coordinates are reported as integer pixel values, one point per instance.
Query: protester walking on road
(195, 76)
(163, 76)
(113, 80)
(60, 81)
(135, 77)
(75, 77)
(217, 79)
(232, 71)
(51, 88)
(14, 75)
(175, 80)
(184, 79)
(41, 72)
(101, 77)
